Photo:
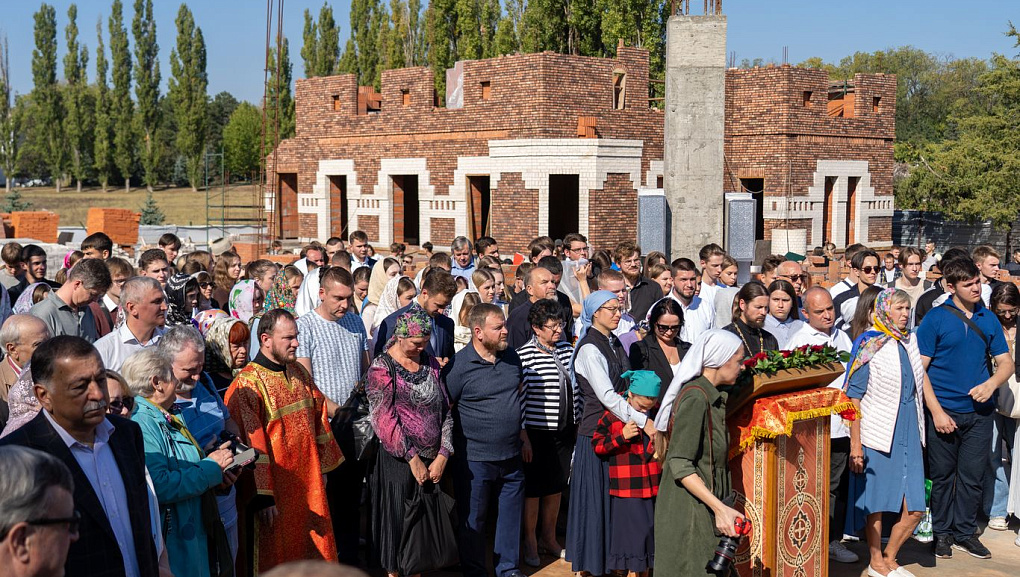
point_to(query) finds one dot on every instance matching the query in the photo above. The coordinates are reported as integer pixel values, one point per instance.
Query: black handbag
(428, 541)
(352, 426)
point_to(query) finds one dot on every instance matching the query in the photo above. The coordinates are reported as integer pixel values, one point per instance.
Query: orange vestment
(283, 415)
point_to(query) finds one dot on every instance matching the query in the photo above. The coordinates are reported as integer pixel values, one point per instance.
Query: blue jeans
(996, 487)
(476, 483)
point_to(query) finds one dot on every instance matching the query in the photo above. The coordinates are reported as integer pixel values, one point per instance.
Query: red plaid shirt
(633, 470)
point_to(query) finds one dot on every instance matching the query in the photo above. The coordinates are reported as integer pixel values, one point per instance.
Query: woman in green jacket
(690, 514)
(180, 471)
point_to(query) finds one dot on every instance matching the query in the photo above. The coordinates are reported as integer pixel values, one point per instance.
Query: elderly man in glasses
(865, 265)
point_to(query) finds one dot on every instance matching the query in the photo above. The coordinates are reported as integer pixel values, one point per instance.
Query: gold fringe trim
(756, 432)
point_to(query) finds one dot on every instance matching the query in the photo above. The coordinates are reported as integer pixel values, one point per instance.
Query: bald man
(819, 316)
(793, 273)
(19, 337)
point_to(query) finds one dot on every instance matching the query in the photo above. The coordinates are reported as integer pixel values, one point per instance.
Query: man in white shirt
(851, 278)
(698, 316)
(711, 256)
(144, 309)
(819, 329)
(359, 251)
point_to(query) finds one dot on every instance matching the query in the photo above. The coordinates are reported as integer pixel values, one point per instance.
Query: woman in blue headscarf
(598, 365)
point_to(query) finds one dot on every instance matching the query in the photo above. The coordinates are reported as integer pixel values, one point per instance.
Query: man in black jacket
(105, 454)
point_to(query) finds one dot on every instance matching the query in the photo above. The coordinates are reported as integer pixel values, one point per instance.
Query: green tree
(441, 39)
(49, 133)
(508, 32)
(187, 93)
(147, 78)
(10, 132)
(545, 26)
(220, 109)
(151, 213)
(361, 54)
(279, 97)
(488, 15)
(122, 111)
(102, 145)
(78, 116)
(321, 48)
(972, 174)
(467, 27)
(14, 202)
(241, 141)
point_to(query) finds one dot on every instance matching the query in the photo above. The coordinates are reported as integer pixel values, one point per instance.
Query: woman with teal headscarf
(598, 365)
(885, 381)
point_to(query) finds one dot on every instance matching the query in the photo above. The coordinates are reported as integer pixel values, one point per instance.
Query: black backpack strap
(973, 326)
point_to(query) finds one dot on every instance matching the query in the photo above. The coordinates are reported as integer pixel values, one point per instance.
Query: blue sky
(235, 31)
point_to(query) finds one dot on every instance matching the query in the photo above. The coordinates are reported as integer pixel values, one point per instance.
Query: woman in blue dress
(885, 382)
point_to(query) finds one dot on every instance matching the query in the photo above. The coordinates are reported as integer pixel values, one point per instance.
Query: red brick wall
(443, 231)
(514, 213)
(612, 212)
(308, 226)
(370, 226)
(120, 224)
(39, 225)
(880, 229)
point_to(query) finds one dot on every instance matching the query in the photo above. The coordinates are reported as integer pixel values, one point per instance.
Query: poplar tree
(280, 99)
(440, 36)
(102, 145)
(122, 109)
(77, 119)
(396, 31)
(10, 131)
(321, 48)
(467, 44)
(361, 55)
(187, 93)
(147, 78)
(49, 134)
(488, 17)
(508, 32)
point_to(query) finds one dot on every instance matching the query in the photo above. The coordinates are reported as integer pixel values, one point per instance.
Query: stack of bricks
(120, 224)
(38, 225)
(248, 251)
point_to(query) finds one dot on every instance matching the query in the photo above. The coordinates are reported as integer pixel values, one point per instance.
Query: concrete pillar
(695, 109)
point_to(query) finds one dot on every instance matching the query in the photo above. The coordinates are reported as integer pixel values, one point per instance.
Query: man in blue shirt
(955, 340)
(463, 261)
(488, 435)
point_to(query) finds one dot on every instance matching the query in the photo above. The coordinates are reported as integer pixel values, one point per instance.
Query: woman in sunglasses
(661, 350)
(121, 400)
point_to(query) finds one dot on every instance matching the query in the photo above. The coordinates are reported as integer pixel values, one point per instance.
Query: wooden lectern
(779, 462)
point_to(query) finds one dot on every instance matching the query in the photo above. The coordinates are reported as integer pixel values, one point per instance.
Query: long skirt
(589, 516)
(391, 484)
(632, 540)
(549, 470)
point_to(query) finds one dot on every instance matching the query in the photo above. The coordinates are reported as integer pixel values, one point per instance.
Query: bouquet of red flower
(771, 362)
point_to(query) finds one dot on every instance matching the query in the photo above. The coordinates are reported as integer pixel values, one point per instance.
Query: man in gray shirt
(66, 309)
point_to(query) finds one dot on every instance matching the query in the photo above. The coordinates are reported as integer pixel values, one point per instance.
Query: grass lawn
(180, 205)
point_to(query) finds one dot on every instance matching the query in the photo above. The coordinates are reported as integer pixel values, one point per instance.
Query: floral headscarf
(177, 308)
(24, 405)
(217, 350)
(389, 302)
(205, 319)
(883, 330)
(280, 295)
(242, 300)
(24, 302)
(415, 322)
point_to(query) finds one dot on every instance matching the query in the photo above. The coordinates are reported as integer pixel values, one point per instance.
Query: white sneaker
(1017, 542)
(840, 554)
(998, 524)
(901, 571)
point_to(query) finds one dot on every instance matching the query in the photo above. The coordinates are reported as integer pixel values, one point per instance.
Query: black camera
(726, 550)
(244, 456)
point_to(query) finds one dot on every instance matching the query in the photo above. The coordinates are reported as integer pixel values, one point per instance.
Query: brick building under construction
(546, 144)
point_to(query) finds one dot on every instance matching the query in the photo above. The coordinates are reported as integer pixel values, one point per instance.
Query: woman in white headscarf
(689, 507)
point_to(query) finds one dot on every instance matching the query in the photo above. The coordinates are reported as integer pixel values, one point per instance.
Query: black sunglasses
(207, 284)
(667, 328)
(125, 403)
(870, 269)
(72, 522)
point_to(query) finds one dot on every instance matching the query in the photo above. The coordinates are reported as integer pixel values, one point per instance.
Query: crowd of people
(594, 381)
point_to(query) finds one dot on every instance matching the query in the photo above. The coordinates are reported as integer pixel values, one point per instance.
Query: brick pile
(120, 224)
(39, 225)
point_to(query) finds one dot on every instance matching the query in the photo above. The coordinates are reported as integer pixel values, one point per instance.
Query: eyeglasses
(554, 326)
(870, 269)
(72, 522)
(667, 328)
(634, 261)
(612, 310)
(119, 405)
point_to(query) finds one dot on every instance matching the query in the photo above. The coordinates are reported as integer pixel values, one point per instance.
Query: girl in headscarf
(181, 299)
(597, 366)
(885, 443)
(396, 295)
(695, 473)
(205, 319)
(32, 294)
(245, 300)
(281, 295)
(382, 272)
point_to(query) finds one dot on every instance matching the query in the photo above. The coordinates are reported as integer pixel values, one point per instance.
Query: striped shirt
(335, 349)
(541, 394)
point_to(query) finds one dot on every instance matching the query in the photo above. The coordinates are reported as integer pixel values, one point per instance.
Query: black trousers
(343, 491)
(839, 486)
(957, 464)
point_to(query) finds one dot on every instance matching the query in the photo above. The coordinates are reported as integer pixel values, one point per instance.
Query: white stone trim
(656, 168)
(812, 205)
(426, 196)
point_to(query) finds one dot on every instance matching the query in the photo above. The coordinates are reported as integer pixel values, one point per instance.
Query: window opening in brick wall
(619, 90)
(287, 205)
(486, 92)
(807, 99)
(851, 208)
(481, 202)
(338, 205)
(828, 208)
(405, 97)
(876, 104)
(756, 186)
(405, 209)
(336, 102)
(658, 181)
(564, 204)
